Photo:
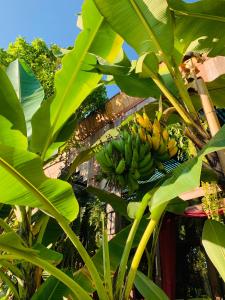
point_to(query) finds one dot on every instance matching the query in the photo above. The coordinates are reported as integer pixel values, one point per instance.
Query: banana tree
(162, 33)
(25, 187)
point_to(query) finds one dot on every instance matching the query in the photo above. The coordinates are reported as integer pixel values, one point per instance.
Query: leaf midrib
(29, 186)
(77, 68)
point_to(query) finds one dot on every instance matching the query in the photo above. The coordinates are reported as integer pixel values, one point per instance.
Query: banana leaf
(23, 183)
(28, 89)
(73, 83)
(148, 289)
(199, 26)
(10, 107)
(213, 240)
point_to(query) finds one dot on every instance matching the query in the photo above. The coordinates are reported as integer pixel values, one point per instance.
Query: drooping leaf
(23, 183)
(199, 26)
(13, 240)
(148, 289)
(118, 204)
(28, 89)
(10, 107)
(213, 240)
(73, 83)
(51, 289)
(11, 137)
(145, 25)
(48, 254)
(185, 177)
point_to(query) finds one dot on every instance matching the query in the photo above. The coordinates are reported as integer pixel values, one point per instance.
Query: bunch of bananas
(135, 154)
(163, 148)
(126, 160)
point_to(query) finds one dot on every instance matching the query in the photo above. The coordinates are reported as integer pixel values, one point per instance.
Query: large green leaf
(10, 107)
(51, 289)
(23, 183)
(148, 289)
(73, 83)
(28, 89)
(11, 137)
(186, 177)
(13, 240)
(48, 254)
(213, 239)
(145, 25)
(199, 26)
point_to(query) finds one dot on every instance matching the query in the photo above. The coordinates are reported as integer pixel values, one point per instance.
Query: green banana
(118, 145)
(125, 134)
(108, 159)
(142, 151)
(146, 168)
(134, 162)
(109, 149)
(147, 174)
(137, 142)
(164, 157)
(120, 167)
(132, 183)
(100, 157)
(146, 160)
(136, 175)
(128, 151)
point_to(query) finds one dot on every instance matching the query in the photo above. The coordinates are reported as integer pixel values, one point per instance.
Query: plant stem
(137, 257)
(129, 242)
(179, 108)
(85, 256)
(183, 92)
(106, 260)
(182, 112)
(73, 286)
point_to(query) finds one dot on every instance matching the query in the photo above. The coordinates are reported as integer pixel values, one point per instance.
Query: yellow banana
(142, 134)
(156, 141)
(148, 123)
(171, 144)
(156, 127)
(140, 120)
(165, 135)
(149, 138)
(173, 151)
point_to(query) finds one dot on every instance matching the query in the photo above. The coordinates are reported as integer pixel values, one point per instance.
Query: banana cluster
(162, 146)
(135, 154)
(126, 160)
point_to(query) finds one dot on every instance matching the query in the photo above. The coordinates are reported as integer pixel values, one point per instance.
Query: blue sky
(52, 20)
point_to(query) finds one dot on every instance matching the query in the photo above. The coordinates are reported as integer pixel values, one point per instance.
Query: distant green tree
(44, 63)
